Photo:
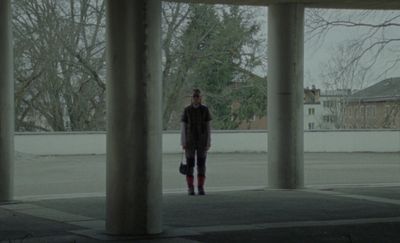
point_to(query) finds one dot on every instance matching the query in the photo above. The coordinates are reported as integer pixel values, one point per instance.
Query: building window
(311, 126)
(311, 111)
(68, 125)
(329, 118)
(328, 103)
(371, 111)
(387, 110)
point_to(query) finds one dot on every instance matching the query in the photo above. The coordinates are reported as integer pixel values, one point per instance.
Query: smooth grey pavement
(84, 175)
(350, 197)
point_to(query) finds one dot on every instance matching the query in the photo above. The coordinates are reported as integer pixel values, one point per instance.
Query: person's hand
(184, 147)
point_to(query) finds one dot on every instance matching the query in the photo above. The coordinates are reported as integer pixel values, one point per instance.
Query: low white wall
(61, 143)
(352, 141)
(222, 141)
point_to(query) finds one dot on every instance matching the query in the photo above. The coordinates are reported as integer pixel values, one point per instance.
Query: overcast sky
(315, 56)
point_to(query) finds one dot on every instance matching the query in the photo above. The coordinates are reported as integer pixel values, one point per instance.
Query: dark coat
(196, 121)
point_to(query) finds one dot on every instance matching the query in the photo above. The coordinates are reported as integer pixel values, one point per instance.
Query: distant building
(321, 110)
(377, 106)
(312, 113)
(312, 108)
(332, 108)
(256, 123)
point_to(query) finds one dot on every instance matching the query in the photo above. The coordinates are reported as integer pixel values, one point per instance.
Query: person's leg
(201, 170)
(189, 175)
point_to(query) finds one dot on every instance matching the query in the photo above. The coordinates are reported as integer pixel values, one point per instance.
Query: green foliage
(219, 49)
(60, 63)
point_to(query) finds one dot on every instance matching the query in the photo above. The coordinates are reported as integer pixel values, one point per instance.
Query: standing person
(196, 140)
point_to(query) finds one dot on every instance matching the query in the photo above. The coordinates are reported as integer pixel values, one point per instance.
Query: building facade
(376, 107)
(312, 108)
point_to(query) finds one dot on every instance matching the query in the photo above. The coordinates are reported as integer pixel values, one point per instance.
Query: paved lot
(85, 174)
(350, 197)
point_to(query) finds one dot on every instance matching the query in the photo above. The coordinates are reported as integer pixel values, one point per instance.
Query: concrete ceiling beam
(343, 4)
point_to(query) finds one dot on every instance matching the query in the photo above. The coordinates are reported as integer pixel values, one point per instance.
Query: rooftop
(388, 89)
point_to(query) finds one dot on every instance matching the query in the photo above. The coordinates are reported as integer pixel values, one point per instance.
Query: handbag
(183, 167)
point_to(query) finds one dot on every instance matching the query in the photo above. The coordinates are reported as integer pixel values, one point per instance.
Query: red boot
(200, 184)
(189, 180)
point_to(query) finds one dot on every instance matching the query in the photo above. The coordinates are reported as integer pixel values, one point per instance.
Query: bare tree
(59, 53)
(60, 60)
(375, 42)
(174, 20)
(392, 115)
(375, 33)
(340, 77)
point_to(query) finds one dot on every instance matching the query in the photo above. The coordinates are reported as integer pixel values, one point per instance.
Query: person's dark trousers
(201, 174)
(189, 175)
(201, 169)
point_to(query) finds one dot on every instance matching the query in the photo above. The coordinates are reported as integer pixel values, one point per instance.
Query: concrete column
(285, 96)
(134, 91)
(6, 103)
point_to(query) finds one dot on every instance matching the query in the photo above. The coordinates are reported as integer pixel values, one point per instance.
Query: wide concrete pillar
(6, 103)
(285, 96)
(134, 185)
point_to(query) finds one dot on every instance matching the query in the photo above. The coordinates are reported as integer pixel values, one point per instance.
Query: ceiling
(350, 4)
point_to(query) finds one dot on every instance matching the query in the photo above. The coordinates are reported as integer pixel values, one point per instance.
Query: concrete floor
(336, 215)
